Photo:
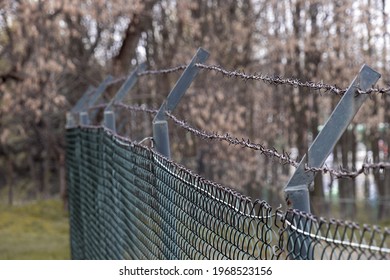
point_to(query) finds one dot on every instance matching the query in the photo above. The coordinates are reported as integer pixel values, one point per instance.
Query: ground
(38, 230)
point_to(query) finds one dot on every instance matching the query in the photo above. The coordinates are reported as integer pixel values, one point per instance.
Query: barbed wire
(382, 91)
(273, 80)
(268, 79)
(136, 108)
(272, 153)
(343, 173)
(163, 71)
(117, 80)
(151, 72)
(277, 80)
(283, 157)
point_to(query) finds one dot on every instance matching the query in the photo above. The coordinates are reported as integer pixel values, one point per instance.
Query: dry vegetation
(50, 51)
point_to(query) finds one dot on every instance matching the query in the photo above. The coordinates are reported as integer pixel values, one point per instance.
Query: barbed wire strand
(283, 157)
(136, 108)
(268, 79)
(163, 71)
(277, 80)
(272, 153)
(272, 80)
(151, 72)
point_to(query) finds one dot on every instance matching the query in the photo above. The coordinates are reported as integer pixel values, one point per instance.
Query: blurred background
(51, 51)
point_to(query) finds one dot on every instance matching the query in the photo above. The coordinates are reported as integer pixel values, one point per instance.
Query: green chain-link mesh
(128, 202)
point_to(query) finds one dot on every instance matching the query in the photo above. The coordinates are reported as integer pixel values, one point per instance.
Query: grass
(35, 231)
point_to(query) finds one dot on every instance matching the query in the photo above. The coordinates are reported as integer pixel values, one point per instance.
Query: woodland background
(51, 51)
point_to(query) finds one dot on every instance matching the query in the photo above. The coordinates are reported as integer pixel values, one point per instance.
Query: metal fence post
(70, 121)
(296, 190)
(91, 100)
(161, 135)
(109, 114)
(109, 122)
(160, 124)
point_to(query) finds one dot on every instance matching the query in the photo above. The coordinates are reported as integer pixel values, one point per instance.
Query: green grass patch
(35, 231)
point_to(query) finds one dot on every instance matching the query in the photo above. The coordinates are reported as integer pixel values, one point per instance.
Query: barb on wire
(342, 173)
(163, 71)
(382, 91)
(136, 108)
(283, 157)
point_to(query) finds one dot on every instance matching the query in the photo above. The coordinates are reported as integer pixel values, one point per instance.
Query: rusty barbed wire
(343, 173)
(117, 80)
(382, 91)
(151, 72)
(268, 79)
(273, 80)
(163, 71)
(277, 80)
(283, 157)
(272, 153)
(136, 108)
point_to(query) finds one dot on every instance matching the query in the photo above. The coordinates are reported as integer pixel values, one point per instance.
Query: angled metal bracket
(70, 118)
(84, 117)
(296, 190)
(160, 124)
(109, 114)
(81, 102)
(297, 193)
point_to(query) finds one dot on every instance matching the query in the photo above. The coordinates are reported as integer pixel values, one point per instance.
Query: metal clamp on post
(84, 117)
(160, 124)
(296, 190)
(109, 115)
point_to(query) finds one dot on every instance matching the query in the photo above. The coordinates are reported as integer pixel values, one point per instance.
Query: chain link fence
(128, 202)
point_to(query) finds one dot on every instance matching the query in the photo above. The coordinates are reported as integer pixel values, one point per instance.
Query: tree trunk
(347, 193)
(10, 181)
(373, 139)
(384, 187)
(138, 24)
(62, 180)
(384, 209)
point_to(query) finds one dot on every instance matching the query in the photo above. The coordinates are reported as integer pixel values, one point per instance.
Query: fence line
(129, 201)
